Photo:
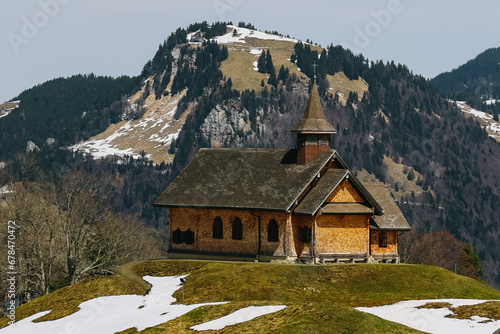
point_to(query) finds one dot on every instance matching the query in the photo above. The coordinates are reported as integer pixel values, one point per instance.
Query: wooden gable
(345, 193)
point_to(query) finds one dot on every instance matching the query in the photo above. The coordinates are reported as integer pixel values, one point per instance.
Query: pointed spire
(314, 120)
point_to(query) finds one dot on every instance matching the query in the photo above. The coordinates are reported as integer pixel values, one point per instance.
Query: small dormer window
(311, 141)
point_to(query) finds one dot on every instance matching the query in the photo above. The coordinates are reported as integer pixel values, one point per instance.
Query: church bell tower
(313, 131)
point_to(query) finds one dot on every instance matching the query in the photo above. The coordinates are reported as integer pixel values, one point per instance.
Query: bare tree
(80, 206)
(118, 240)
(38, 243)
(440, 249)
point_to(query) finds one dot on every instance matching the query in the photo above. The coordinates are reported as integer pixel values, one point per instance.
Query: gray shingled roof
(392, 219)
(314, 119)
(330, 180)
(263, 179)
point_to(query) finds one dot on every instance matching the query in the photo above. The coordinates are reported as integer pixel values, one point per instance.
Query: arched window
(272, 231)
(237, 229)
(217, 231)
(305, 234)
(323, 141)
(382, 240)
(311, 141)
(189, 237)
(177, 236)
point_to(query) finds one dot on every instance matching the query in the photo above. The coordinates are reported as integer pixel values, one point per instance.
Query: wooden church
(301, 204)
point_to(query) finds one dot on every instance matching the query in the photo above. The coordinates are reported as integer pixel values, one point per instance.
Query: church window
(382, 240)
(305, 234)
(217, 231)
(311, 141)
(177, 236)
(272, 231)
(323, 141)
(237, 229)
(189, 237)
(186, 237)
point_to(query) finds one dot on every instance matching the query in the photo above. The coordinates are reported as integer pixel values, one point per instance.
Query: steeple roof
(314, 120)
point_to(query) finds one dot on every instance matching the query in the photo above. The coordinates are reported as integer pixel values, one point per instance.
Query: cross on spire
(315, 65)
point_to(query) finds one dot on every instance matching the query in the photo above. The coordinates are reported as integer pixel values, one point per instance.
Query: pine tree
(224, 54)
(273, 81)
(411, 175)
(283, 74)
(269, 63)
(261, 63)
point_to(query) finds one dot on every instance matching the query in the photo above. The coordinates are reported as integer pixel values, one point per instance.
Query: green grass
(348, 285)
(239, 65)
(319, 299)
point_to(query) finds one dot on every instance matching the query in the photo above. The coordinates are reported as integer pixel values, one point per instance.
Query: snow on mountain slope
(6, 108)
(486, 120)
(243, 33)
(152, 133)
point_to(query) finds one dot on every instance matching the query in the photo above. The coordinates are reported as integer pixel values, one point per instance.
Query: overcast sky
(44, 39)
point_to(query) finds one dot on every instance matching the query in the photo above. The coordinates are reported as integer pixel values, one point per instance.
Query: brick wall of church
(392, 243)
(342, 234)
(335, 234)
(200, 221)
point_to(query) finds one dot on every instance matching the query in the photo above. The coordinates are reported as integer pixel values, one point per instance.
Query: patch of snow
(243, 315)
(255, 67)
(256, 52)
(491, 124)
(243, 33)
(160, 124)
(492, 101)
(433, 320)
(113, 314)
(6, 189)
(6, 108)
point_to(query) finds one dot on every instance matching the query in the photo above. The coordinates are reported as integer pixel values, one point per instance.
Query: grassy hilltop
(319, 298)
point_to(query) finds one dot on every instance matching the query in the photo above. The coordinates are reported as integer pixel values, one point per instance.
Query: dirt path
(128, 271)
